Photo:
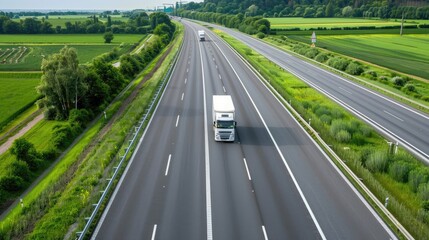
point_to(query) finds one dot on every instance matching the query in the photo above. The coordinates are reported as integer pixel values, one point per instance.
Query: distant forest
(417, 9)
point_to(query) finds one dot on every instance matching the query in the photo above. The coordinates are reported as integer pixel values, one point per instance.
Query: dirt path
(5, 146)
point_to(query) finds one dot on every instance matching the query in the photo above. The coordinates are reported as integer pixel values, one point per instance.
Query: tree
(329, 12)
(62, 82)
(347, 11)
(23, 149)
(108, 37)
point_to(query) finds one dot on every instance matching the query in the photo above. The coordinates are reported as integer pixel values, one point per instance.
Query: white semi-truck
(223, 118)
(201, 35)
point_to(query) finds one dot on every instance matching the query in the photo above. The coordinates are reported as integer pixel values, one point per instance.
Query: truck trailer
(201, 35)
(223, 118)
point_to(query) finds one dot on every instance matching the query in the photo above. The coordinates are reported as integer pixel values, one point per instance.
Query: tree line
(417, 9)
(75, 93)
(138, 22)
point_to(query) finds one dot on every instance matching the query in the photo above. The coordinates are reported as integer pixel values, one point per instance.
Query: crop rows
(12, 55)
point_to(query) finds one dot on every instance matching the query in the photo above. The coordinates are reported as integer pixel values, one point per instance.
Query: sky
(84, 4)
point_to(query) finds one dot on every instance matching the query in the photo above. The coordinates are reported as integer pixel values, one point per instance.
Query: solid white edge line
(247, 169)
(168, 165)
(207, 158)
(313, 217)
(388, 113)
(154, 232)
(265, 232)
(133, 156)
(177, 120)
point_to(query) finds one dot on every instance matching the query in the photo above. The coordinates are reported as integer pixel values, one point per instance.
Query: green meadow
(16, 92)
(408, 53)
(33, 60)
(68, 38)
(306, 23)
(60, 20)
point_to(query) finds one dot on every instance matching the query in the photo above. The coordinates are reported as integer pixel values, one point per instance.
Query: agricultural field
(36, 47)
(16, 92)
(307, 23)
(408, 53)
(60, 20)
(67, 38)
(33, 60)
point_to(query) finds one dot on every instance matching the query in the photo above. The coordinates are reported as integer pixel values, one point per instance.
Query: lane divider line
(168, 165)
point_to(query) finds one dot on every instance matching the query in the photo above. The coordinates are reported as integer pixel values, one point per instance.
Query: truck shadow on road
(258, 136)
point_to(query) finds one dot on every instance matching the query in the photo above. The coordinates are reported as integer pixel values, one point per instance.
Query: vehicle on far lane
(201, 35)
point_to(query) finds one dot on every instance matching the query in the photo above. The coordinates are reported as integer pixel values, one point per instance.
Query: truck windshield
(225, 124)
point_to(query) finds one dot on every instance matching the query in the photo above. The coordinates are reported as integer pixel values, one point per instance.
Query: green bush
(11, 183)
(354, 68)
(398, 81)
(399, 170)
(260, 35)
(321, 57)
(365, 130)
(21, 169)
(371, 74)
(409, 88)
(326, 119)
(338, 63)
(63, 136)
(49, 154)
(423, 191)
(320, 110)
(377, 162)
(416, 177)
(358, 139)
(425, 98)
(343, 136)
(312, 53)
(337, 126)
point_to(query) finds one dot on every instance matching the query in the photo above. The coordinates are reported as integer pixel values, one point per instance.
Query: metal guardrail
(81, 234)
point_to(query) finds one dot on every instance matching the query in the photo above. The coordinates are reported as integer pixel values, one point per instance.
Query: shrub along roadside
(70, 187)
(366, 152)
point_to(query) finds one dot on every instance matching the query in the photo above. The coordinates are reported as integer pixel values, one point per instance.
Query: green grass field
(33, 60)
(60, 20)
(407, 53)
(67, 38)
(306, 23)
(16, 93)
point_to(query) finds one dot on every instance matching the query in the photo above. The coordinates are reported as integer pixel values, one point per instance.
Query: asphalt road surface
(272, 183)
(400, 122)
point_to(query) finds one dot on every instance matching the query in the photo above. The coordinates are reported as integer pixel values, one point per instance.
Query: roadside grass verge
(366, 152)
(405, 88)
(64, 197)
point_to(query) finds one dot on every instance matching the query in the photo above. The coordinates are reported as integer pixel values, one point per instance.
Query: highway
(399, 122)
(272, 183)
